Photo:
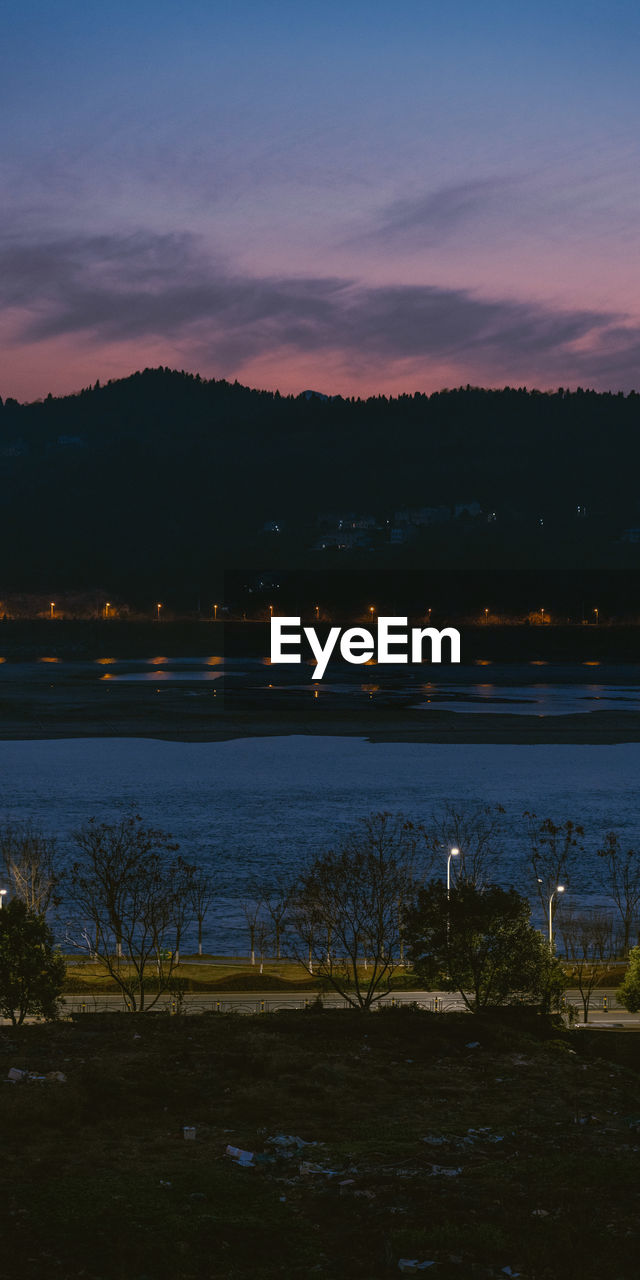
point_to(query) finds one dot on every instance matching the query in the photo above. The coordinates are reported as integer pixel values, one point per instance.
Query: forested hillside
(163, 477)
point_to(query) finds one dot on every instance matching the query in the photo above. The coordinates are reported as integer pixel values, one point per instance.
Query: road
(603, 1012)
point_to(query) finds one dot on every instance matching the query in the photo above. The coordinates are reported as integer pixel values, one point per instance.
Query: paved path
(601, 1013)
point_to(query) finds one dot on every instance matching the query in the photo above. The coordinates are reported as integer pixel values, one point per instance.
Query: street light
(52, 606)
(158, 608)
(107, 608)
(558, 889)
(597, 613)
(215, 613)
(2, 893)
(453, 853)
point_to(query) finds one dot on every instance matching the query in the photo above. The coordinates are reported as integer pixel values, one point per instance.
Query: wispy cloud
(113, 288)
(432, 216)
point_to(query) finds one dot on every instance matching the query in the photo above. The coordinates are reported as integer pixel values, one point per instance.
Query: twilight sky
(353, 195)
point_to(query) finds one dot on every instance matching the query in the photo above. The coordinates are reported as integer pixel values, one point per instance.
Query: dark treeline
(162, 480)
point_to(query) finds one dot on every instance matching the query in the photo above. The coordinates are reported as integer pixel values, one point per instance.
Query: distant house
(361, 539)
(398, 535)
(422, 516)
(325, 542)
(341, 521)
(472, 509)
(344, 540)
(272, 526)
(364, 522)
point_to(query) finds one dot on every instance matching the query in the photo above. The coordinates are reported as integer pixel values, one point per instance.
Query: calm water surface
(251, 809)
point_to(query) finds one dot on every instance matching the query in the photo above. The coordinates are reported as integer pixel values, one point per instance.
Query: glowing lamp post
(2, 894)
(558, 889)
(453, 853)
(158, 608)
(52, 606)
(215, 613)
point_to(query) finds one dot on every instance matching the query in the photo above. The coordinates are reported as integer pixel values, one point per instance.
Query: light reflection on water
(514, 689)
(137, 676)
(541, 699)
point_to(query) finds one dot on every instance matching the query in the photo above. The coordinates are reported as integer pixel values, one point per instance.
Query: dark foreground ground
(476, 1145)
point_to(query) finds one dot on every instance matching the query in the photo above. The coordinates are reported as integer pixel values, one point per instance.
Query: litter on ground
(243, 1158)
(411, 1266)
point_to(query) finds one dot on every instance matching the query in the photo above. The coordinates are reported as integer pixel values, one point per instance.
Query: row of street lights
(215, 607)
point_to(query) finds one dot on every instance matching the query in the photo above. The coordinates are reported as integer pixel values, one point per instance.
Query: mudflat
(37, 705)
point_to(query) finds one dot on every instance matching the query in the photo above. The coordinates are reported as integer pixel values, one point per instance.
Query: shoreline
(604, 728)
(47, 701)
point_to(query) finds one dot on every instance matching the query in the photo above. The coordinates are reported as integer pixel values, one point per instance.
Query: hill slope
(163, 478)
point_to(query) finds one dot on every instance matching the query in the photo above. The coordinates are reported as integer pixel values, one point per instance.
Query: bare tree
(582, 936)
(350, 903)
(477, 831)
(28, 857)
(276, 903)
(130, 892)
(200, 891)
(263, 937)
(252, 910)
(553, 852)
(623, 883)
(384, 832)
(604, 933)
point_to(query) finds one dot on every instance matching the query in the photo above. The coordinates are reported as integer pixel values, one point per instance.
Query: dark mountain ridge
(165, 478)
